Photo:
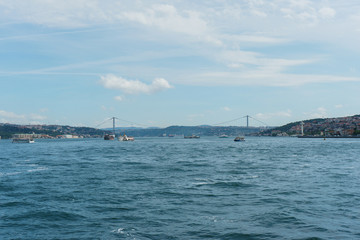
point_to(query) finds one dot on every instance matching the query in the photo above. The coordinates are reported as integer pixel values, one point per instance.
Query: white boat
(125, 138)
(23, 140)
(223, 136)
(239, 139)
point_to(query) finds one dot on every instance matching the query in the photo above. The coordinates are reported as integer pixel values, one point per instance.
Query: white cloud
(89, 13)
(261, 77)
(327, 12)
(236, 65)
(118, 98)
(230, 26)
(42, 110)
(253, 63)
(54, 14)
(259, 38)
(168, 18)
(320, 112)
(239, 57)
(34, 116)
(134, 86)
(11, 117)
(339, 106)
(227, 109)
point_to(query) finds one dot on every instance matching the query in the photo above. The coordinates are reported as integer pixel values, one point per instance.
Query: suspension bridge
(237, 119)
(247, 117)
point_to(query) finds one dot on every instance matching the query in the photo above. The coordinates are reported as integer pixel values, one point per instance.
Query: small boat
(239, 139)
(223, 136)
(192, 136)
(125, 138)
(23, 140)
(109, 137)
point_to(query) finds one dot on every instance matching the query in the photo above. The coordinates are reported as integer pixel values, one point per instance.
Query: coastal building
(67, 136)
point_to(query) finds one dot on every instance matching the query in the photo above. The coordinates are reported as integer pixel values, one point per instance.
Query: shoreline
(328, 136)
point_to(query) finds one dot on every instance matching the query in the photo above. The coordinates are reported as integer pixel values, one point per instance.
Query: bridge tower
(113, 118)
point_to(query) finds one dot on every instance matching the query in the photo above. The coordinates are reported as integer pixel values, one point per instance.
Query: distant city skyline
(162, 63)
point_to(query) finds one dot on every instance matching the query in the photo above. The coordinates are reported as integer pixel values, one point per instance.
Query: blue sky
(162, 63)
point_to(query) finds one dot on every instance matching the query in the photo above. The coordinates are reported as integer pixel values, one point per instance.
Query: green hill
(7, 130)
(342, 126)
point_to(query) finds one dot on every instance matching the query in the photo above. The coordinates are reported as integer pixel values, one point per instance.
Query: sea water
(176, 188)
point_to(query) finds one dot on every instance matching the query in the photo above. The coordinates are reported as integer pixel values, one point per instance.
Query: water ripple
(173, 188)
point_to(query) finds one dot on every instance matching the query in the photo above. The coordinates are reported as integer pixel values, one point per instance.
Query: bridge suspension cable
(228, 121)
(139, 124)
(123, 120)
(216, 124)
(102, 122)
(259, 121)
(247, 121)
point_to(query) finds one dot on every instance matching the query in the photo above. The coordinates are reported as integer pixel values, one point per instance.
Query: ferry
(192, 136)
(23, 140)
(109, 137)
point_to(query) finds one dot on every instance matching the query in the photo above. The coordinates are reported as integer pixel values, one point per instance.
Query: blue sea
(176, 188)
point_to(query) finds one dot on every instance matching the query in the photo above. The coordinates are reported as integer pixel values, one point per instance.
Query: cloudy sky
(161, 63)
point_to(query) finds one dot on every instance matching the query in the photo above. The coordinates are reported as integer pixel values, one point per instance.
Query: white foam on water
(10, 174)
(119, 230)
(37, 169)
(202, 181)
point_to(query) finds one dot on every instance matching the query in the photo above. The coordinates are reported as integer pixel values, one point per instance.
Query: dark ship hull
(109, 137)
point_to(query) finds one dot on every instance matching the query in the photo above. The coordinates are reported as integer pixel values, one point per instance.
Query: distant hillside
(7, 130)
(341, 126)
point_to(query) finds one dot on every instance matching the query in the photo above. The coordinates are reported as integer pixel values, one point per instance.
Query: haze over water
(175, 188)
